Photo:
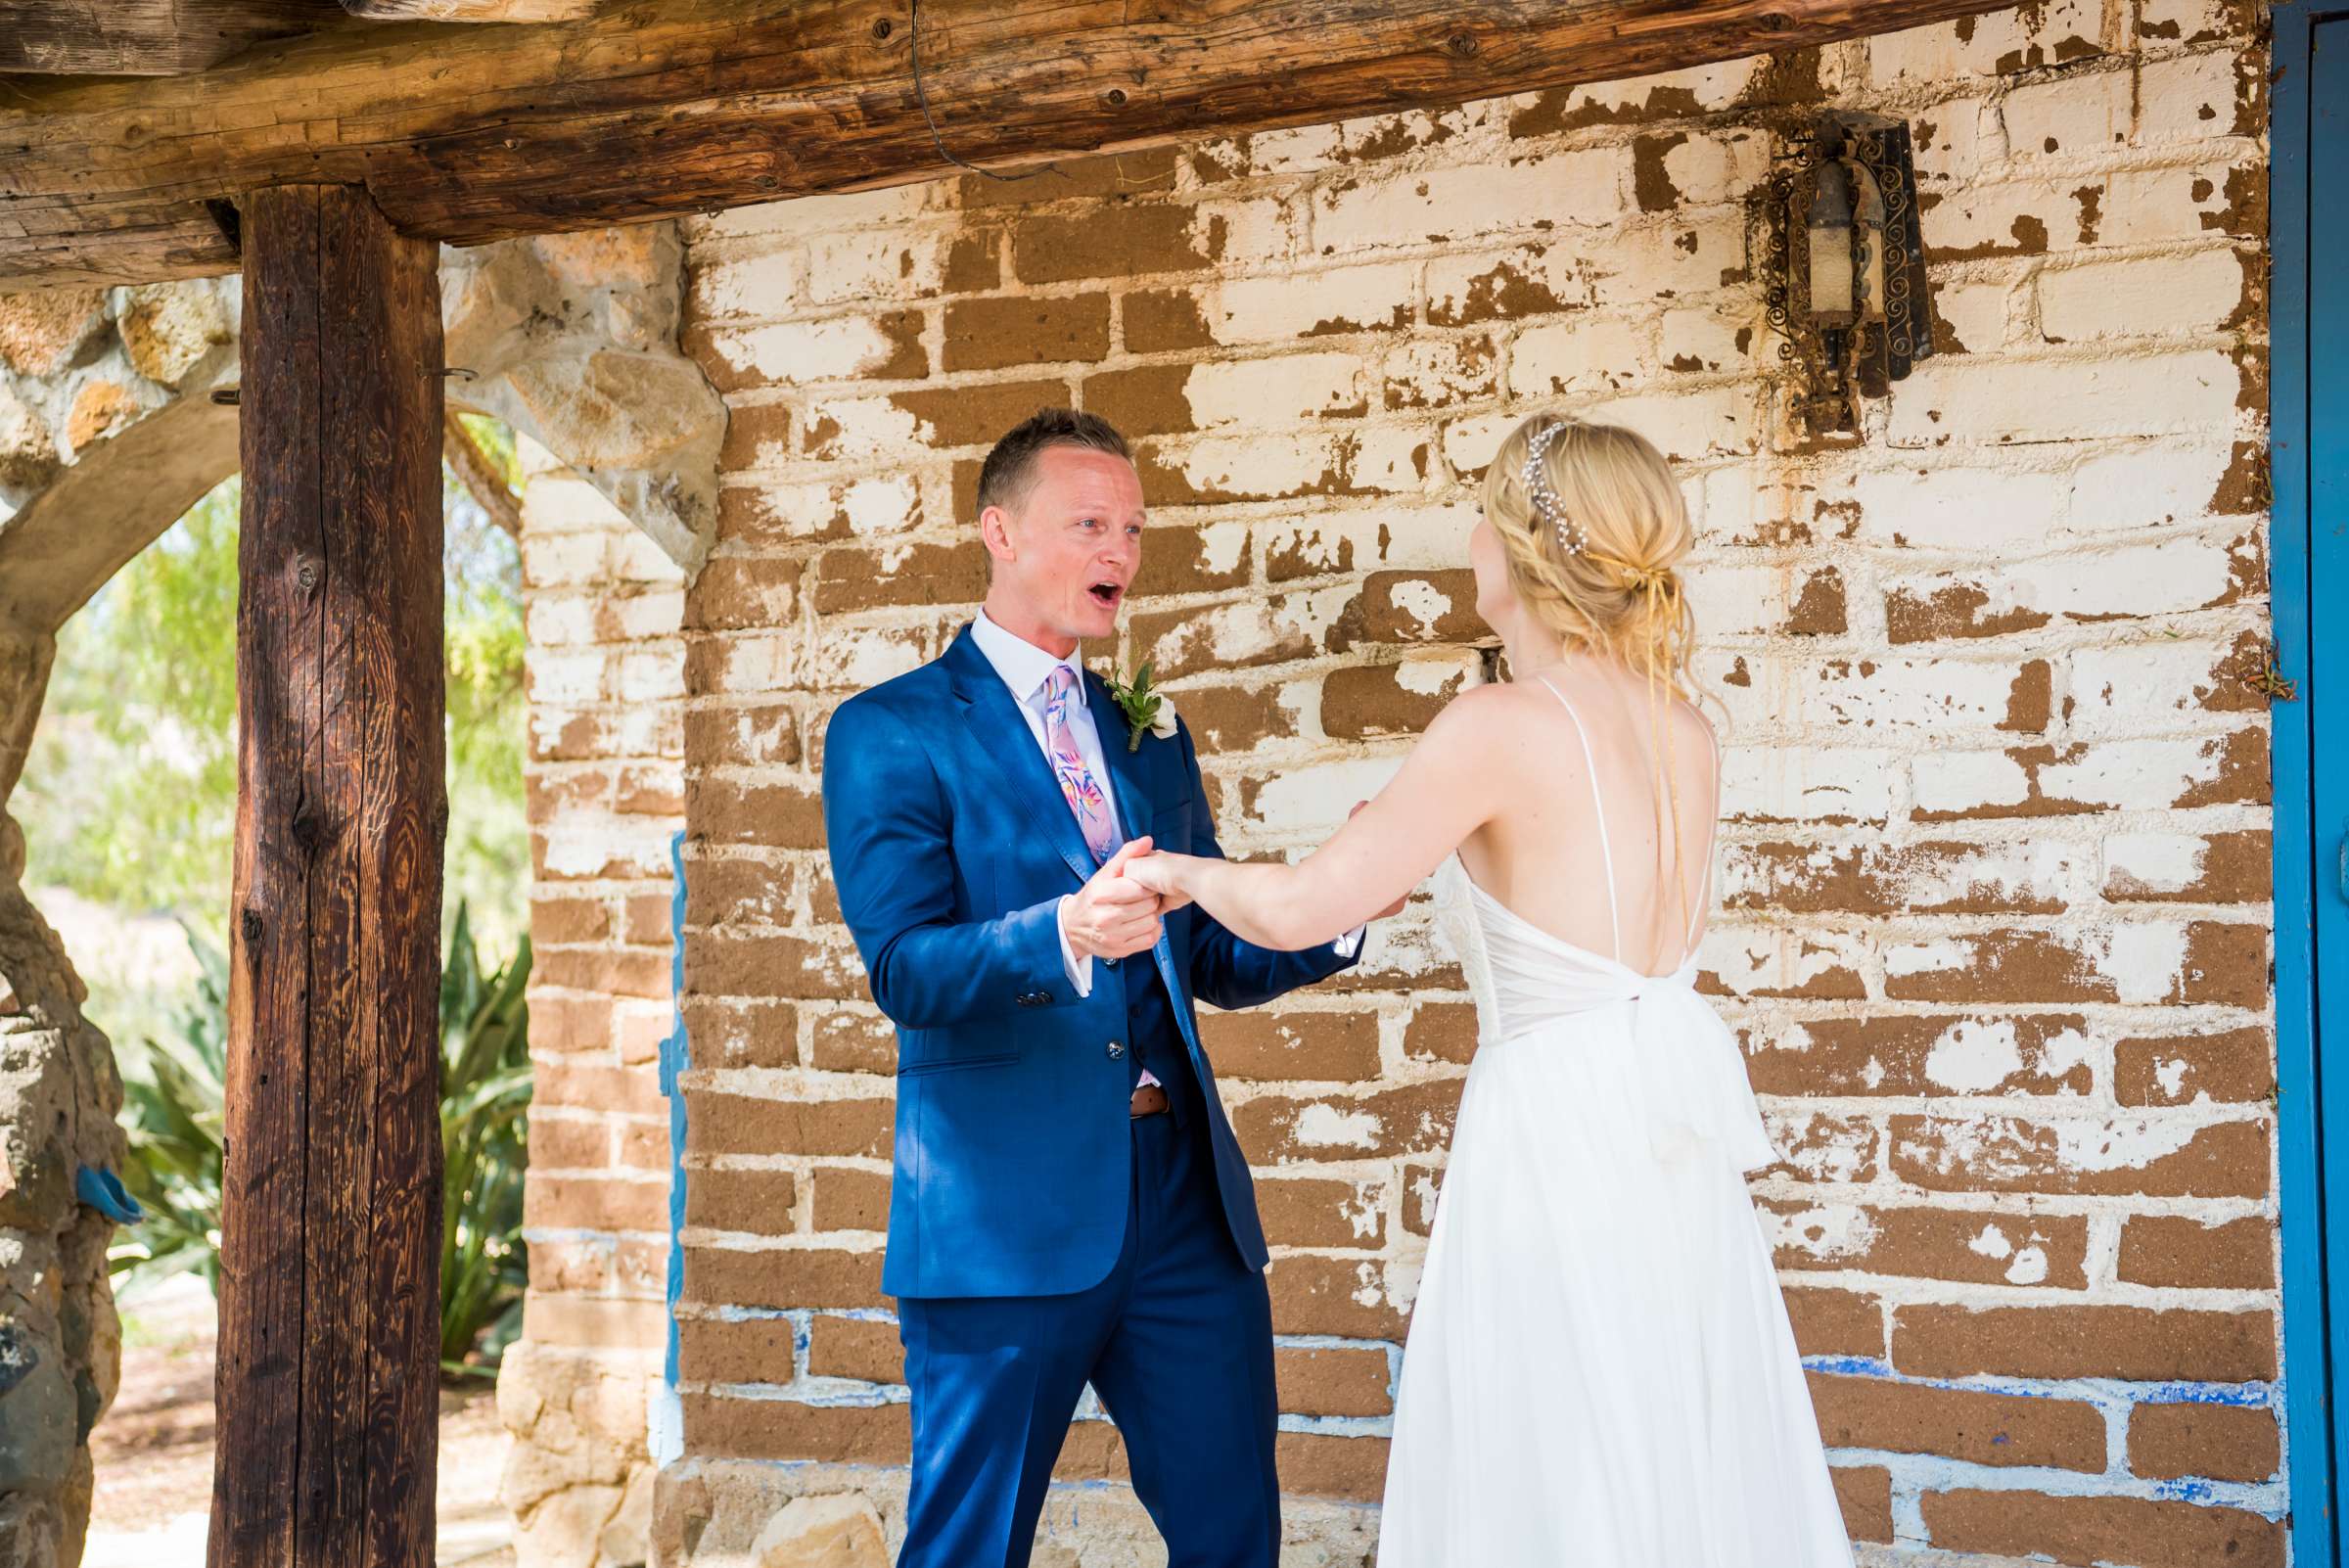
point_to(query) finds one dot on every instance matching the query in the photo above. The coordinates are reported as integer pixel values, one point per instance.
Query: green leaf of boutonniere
(1147, 712)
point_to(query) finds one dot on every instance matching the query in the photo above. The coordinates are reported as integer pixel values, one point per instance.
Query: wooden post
(328, 1373)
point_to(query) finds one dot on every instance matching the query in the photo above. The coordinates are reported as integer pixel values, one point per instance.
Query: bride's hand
(1160, 873)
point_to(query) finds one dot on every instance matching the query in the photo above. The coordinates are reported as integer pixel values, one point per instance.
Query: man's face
(1067, 552)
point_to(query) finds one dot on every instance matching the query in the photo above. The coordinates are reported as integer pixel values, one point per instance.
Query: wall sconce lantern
(1846, 269)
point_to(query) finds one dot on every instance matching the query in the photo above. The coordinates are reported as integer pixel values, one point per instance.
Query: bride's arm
(1447, 789)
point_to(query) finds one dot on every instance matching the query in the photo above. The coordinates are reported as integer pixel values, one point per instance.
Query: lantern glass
(1830, 232)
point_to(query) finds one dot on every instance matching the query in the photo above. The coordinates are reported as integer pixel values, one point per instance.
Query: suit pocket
(948, 1064)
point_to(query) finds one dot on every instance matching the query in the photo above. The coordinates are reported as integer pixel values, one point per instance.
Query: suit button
(1111, 962)
(1116, 1053)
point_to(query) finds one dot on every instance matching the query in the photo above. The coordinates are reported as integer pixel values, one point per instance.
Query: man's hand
(1113, 916)
(1392, 909)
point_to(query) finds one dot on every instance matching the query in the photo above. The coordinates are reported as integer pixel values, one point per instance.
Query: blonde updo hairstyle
(1599, 565)
(1619, 592)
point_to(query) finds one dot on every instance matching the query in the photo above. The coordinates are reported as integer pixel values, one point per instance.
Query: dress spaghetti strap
(1597, 806)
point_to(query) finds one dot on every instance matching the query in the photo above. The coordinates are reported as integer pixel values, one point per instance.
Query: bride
(1600, 1372)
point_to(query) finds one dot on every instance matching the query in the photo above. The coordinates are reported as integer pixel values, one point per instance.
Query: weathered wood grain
(327, 1389)
(146, 38)
(469, 135)
(471, 9)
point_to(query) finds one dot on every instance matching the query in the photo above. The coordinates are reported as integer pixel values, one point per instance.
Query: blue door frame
(2309, 553)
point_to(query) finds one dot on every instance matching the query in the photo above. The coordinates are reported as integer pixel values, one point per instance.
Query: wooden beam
(479, 475)
(471, 9)
(328, 1368)
(469, 135)
(146, 38)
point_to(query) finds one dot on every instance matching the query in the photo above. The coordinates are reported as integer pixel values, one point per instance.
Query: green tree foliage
(129, 794)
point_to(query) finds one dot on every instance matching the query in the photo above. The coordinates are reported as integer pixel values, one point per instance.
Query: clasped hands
(1119, 913)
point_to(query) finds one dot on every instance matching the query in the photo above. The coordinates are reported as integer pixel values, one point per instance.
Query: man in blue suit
(1069, 1204)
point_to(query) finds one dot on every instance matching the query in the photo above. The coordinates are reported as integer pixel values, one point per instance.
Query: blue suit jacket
(952, 846)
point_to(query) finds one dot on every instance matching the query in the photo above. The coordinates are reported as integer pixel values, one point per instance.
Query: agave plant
(174, 1089)
(485, 1150)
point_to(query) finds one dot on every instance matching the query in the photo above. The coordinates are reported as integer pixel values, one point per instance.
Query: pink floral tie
(1077, 780)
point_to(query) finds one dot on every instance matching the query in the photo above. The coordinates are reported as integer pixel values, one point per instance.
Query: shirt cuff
(1349, 944)
(1079, 969)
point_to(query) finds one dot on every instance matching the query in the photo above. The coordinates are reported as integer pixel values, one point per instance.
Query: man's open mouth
(1107, 594)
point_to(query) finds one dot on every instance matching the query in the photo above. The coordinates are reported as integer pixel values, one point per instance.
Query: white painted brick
(1366, 539)
(1717, 167)
(1298, 305)
(1459, 281)
(552, 622)
(1751, 958)
(764, 660)
(1973, 507)
(891, 263)
(2011, 218)
(1238, 634)
(1975, 312)
(2128, 688)
(1708, 338)
(1739, 600)
(814, 214)
(1669, 259)
(2142, 297)
(1258, 232)
(1310, 804)
(1979, 399)
(1280, 391)
(868, 428)
(1590, 189)
(636, 558)
(853, 660)
(1705, 422)
(651, 675)
(1697, 89)
(571, 677)
(552, 559)
(2169, 576)
(2080, 113)
(754, 284)
(1989, 44)
(797, 353)
(2143, 863)
(645, 615)
(1899, 695)
(2187, 99)
(1379, 459)
(1582, 353)
(2125, 775)
(1470, 444)
(2143, 487)
(1437, 372)
(2148, 206)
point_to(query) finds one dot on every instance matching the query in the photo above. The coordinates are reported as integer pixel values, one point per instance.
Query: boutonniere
(1147, 711)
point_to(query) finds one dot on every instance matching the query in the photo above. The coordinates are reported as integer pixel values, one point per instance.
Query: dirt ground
(153, 1450)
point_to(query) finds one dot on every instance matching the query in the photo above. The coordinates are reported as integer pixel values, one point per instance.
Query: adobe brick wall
(604, 775)
(1994, 922)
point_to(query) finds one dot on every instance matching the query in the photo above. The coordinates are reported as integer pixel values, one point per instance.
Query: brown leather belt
(1150, 1100)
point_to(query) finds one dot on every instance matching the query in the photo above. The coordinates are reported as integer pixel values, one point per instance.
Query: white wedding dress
(1600, 1372)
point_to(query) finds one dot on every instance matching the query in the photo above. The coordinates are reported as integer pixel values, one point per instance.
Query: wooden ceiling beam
(472, 134)
(146, 38)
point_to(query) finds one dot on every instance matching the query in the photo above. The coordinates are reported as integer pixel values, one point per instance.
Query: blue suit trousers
(1178, 1343)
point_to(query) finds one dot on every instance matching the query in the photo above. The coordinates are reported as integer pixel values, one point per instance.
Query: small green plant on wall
(174, 1099)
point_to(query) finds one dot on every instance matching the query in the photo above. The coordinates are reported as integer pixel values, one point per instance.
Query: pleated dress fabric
(1600, 1372)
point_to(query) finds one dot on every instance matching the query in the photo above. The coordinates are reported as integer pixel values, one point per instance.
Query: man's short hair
(1009, 471)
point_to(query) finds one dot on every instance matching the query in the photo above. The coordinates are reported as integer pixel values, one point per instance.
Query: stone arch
(110, 430)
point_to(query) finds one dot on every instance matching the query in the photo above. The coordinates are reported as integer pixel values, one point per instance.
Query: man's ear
(995, 532)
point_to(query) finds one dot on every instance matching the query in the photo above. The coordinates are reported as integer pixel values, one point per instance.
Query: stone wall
(605, 669)
(1994, 920)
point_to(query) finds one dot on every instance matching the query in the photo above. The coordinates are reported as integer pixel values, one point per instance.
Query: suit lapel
(1006, 748)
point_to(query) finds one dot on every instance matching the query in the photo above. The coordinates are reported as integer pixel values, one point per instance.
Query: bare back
(1546, 857)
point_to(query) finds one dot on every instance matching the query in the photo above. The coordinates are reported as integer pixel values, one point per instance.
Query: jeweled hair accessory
(1546, 504)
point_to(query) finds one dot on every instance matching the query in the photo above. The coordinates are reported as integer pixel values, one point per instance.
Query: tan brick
(595, 1203)
(1440, 1031)
(734, 591)
(1421, 607)
(621, 973)
(1415, 1118)
(850, 1199)
(782, 1277)
(1334, 1381)
(1876, 1412)
(1160, 320)
(729, 810)
(560, 1023)
(1322, 1046)
(1315, 1465)
(2095, 1530)
(562, 1143)
(630, 1090)
(858, 1348)
(2213, 1442)
(721, 1123)
(757, 1202)
(1835, 1322)
(848, 581)
(846, 1041)
(1141, 238)
(2137, 1342)
(2180, 1250)
(756, 1350)
(1932, 1053)
(557, 919)
(718, 1427)
(2110, 1156)
(1955, 1244)
(952, 418)
(780, 965)
(1307, 1212)
(1864, 1492)
(751, 735)
(1343, 1297)
(2190, 867)
(724, 1032)
(1928, 877)
(1380, 700)
(997, 332)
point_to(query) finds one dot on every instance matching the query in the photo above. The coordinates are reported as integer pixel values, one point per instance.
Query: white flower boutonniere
(1148, 712)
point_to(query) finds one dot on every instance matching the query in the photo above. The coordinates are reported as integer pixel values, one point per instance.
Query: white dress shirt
(1025, 669)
